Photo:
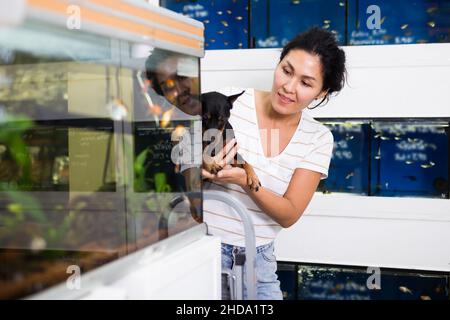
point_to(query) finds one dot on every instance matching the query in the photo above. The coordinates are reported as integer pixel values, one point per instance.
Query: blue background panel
(226, 21)
(402, 22)
(274, 23)
(403, 158)
(349, 167)
(410, 159)
(348, 283)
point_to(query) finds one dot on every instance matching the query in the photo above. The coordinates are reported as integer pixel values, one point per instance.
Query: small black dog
(216, 112)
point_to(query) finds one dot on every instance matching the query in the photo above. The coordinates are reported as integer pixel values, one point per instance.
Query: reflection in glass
(167, 110)
(85, 155)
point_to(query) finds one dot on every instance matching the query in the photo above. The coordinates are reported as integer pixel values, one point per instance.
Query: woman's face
(297, 82)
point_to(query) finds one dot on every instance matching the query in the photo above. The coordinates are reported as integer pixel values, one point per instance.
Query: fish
(154, 109)
(429, 165)
(167, 116)
(378, 156)
(179, 132)
(405, 290)
(117, 109)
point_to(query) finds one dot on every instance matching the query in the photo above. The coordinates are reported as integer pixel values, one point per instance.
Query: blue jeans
(267, 283)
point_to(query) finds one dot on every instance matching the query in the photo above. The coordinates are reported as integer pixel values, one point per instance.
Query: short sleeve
(318, 159)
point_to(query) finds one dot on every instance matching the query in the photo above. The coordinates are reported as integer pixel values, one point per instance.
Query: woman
(288, 149)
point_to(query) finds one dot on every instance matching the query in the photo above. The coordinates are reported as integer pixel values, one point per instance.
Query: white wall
(407, 233)
(154, 2)
(384, 81)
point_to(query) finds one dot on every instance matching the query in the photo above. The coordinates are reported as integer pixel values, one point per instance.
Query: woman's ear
(322, 95)
(232, 99)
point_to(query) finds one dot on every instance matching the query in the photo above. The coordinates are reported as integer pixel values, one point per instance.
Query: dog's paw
(215, 168)
(212, 167)
(253, 182)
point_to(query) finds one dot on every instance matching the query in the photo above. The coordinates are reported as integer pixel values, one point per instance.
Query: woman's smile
(284, 100)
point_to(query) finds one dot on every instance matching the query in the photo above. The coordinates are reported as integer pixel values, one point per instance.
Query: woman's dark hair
(323, 44)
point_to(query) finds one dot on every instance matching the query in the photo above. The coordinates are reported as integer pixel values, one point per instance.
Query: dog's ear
(232, 99)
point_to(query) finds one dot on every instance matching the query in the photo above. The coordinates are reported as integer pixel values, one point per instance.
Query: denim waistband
(259, 249)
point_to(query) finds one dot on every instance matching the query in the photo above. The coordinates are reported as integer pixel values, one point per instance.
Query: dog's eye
(206, 116)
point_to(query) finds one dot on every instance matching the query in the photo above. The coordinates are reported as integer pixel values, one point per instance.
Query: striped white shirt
(310, 148)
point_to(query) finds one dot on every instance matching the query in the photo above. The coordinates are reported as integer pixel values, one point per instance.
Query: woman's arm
(286, 209)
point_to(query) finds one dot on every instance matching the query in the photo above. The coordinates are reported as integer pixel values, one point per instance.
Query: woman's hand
(228, 174)
(220, 160)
